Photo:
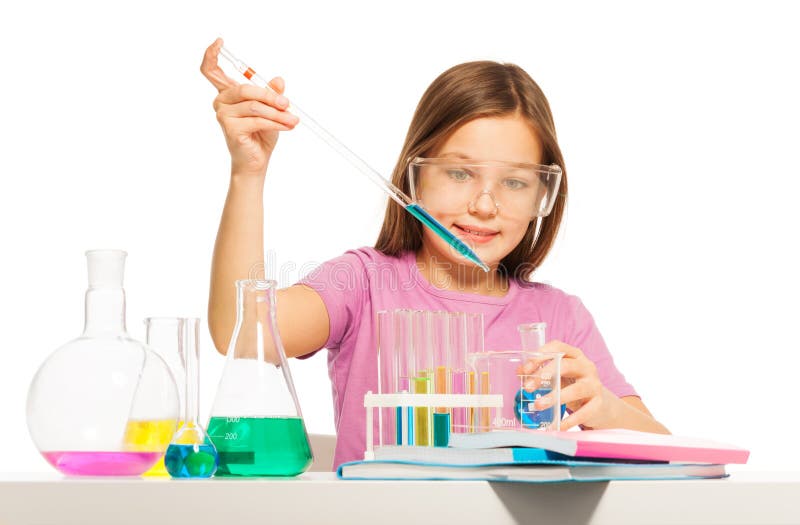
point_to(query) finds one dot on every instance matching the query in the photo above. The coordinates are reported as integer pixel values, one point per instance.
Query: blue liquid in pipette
(423, 216)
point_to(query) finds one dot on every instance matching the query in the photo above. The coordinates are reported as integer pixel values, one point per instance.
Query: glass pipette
(390, 189)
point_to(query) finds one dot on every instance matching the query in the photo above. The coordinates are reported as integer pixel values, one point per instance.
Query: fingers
(242, 92)
(248, 125)
(585, 414)
(211, 70)
(253, 108)
(277, 84)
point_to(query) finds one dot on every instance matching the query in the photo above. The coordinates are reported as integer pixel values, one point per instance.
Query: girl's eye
(515, 184)
(458, 174)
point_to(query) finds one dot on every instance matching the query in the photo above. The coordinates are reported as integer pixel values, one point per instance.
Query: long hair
(463, 93)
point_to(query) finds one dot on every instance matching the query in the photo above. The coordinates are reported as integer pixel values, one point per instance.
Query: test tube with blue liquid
(397, 195)
(404, 422)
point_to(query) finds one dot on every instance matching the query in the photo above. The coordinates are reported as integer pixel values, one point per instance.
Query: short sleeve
(586, 336)
(342, 284)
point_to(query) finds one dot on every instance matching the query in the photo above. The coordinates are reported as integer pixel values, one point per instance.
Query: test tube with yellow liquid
(422, 380)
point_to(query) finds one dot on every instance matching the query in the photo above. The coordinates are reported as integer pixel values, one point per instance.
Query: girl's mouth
(476, 234)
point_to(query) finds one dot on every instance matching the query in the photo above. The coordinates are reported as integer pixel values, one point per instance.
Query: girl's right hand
(250, 116)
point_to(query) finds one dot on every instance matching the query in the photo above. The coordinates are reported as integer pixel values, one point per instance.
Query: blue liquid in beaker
(525, 413)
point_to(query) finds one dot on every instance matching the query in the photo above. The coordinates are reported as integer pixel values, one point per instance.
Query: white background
(678, 123)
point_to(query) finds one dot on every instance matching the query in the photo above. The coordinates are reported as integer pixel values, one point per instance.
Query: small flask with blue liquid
(191, 453)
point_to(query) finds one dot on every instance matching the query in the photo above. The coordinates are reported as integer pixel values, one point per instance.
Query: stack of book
(518, 456)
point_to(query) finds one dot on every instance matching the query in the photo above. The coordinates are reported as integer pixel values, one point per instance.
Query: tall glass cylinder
(163, 335)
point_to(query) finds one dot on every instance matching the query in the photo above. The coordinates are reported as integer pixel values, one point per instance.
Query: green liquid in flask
(260, 446)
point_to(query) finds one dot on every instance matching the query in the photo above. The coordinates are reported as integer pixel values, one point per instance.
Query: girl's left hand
(591, 404)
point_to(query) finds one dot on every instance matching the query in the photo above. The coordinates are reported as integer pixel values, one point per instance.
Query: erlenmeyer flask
(164, 336)
(256, 423)
(90, 390)
(190, 454)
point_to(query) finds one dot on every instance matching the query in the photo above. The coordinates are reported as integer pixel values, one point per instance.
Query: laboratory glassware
(442, 367)
(256, 423)
(191, 454)
(163, 335)
(395, 193)
(86, 393)
(422, 381)
(532, 337)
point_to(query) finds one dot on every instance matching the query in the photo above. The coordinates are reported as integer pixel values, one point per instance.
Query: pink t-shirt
(361, 282)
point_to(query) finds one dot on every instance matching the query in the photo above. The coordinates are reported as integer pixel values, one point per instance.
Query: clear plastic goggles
(519, 190)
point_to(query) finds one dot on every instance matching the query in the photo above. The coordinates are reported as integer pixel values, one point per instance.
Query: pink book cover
(630, 444)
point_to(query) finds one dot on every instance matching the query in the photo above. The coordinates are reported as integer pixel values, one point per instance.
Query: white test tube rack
(404, 399)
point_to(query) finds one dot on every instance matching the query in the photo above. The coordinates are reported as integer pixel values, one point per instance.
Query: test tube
(478, 380)
(440, 339)
(423, 375)
(404, 350)
(458, 363)
(387, 375)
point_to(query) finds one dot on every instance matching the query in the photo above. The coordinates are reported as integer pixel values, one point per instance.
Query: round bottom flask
(88, 394)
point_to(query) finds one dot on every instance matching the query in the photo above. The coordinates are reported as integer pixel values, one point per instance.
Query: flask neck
(191, 356)
(105, 312)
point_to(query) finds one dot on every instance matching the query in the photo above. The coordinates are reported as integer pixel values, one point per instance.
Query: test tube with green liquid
(440, 339)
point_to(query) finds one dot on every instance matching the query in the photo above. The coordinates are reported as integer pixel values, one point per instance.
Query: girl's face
(489, 226)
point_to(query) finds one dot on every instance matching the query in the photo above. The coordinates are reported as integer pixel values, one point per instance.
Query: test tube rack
(404, 399)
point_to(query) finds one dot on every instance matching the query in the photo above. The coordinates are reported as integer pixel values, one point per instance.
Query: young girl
(480, 138)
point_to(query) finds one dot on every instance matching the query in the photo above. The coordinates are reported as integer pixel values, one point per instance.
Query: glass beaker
(86, 394)
(499, 373)
(256, 423)
(190, 454)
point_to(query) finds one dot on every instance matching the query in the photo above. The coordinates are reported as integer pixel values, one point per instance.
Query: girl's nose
(484, 204)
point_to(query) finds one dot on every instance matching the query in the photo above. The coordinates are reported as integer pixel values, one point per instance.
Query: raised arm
(250, 118)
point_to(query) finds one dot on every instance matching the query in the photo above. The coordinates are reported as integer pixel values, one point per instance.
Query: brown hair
(463, 93)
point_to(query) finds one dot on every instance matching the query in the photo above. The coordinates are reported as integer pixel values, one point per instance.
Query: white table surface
(745, 497)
